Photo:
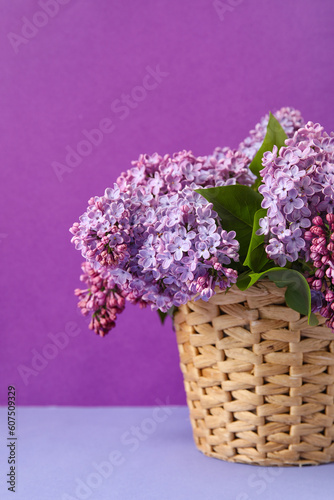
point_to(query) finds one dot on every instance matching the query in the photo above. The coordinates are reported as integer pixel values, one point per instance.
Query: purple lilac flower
(292, 202)
(284, 185)
(152, 240)
(157, 240)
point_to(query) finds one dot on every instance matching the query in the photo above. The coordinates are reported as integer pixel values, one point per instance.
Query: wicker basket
(258, 379)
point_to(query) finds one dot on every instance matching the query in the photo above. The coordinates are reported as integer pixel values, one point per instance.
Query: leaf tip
(313, 320)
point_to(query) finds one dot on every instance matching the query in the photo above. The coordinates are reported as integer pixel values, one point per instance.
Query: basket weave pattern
(259, 380)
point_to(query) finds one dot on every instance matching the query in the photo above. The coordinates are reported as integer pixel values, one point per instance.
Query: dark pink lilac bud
(330, 247)
(317, 221)
(317, 230)
(325, 312)
(329, 296)
(317, 284)
(321, 240)
(308, 236)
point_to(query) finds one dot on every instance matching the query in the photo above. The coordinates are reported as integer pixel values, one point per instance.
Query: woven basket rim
(259, 380)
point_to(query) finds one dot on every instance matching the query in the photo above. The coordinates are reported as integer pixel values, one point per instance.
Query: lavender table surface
(103, 453)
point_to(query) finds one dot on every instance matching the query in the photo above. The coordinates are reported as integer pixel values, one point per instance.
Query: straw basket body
(259, 380)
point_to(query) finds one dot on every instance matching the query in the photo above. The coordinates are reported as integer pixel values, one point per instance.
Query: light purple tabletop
(143, 453)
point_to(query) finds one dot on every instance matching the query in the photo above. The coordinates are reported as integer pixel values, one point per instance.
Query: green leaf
(256, 257)
(297, 295)
(248, 278)
(163, 315)
(275, 135)
(236, 206)
(244, 280)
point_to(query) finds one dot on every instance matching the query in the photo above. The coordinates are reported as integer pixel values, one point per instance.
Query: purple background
(224, 73)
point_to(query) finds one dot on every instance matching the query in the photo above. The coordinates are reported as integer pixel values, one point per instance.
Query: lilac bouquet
(174, 228)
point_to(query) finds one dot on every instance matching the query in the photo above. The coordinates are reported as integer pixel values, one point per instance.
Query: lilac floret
(155, 238)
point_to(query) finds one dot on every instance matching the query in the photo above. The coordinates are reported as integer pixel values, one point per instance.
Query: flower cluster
(170, 174)
(104, 302)
(297, 186)
(290, 120)
(321, 237)
(154, 238)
